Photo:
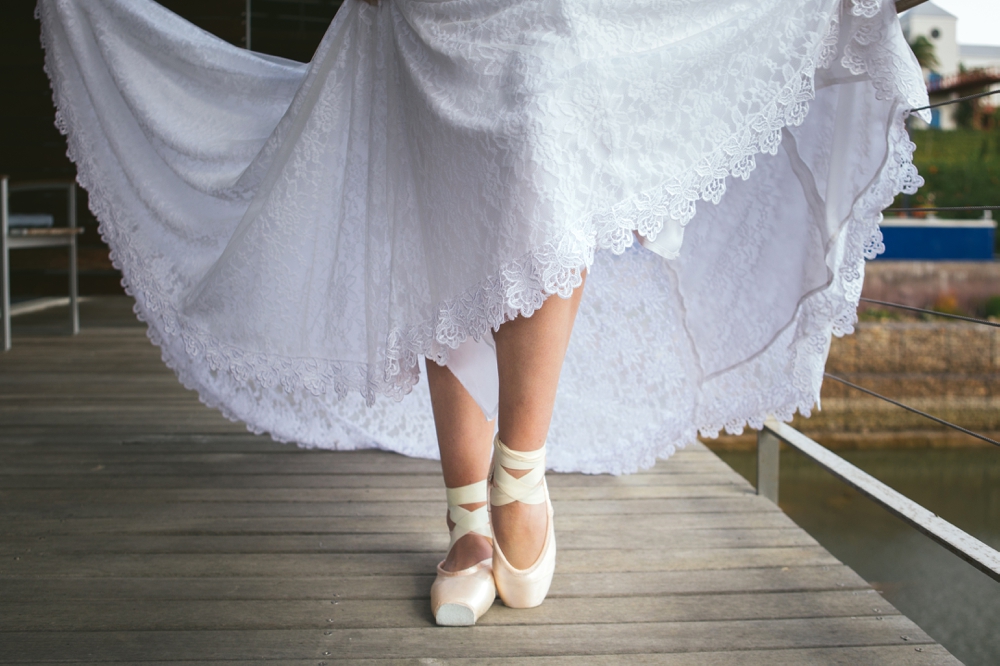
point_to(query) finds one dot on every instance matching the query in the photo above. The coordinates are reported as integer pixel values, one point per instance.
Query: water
(953, 602)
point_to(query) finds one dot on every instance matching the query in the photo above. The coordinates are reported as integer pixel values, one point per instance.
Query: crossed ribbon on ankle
(466, 522)
(530, 488)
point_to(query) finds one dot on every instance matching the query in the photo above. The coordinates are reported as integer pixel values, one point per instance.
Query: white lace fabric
(299, 236)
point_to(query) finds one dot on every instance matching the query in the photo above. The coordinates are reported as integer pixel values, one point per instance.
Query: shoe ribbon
(476, 521)
(530, 488)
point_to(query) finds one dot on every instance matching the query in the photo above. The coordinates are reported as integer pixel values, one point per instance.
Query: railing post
(768, 450)
(74, 304)
(4, 267)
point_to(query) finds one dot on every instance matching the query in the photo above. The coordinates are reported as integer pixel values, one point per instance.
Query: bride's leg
(465, 440)
(530, 352)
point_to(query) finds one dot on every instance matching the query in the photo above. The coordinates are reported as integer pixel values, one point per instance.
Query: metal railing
(61, 237)
(769, 439)
(963, 544)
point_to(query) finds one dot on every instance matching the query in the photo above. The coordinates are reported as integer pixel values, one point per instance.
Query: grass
(960, 167)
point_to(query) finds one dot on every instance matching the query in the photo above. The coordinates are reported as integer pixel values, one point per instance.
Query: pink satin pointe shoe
(522, 588)
(459, 598)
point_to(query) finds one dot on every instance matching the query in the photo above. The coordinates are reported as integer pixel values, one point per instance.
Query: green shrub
(877, 314)
(992, 307)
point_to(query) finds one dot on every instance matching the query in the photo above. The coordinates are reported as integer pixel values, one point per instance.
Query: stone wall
(951, 370)
(923, 283)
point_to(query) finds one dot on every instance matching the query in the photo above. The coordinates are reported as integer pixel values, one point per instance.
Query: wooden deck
(139, 526)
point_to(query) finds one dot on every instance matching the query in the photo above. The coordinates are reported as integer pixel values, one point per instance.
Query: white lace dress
(298, 237)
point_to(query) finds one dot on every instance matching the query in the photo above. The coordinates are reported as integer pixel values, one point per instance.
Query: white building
(939, 27)
(979, 56)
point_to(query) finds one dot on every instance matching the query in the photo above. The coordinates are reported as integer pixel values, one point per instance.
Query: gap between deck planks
(139, 526)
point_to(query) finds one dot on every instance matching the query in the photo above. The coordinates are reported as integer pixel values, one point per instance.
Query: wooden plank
(164, 446)
(885, 655)
(179, 443)
(178, 423)
(381, 542)
(289, 461)
(65, 512)
(128, 420)
(150, 440)
(57, 440)
(490, 641)
(161, 495)
(103, 479)
(292, 461)
(142, 379)
(761, 569)
(74, 589)
(49, 471)
(389, 524)
(212, 615)
(193, 453)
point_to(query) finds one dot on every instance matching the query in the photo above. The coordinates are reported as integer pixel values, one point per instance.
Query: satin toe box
(459, 598)
(526, 588)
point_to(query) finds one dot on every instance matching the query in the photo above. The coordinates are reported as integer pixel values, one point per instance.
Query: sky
(978, 20)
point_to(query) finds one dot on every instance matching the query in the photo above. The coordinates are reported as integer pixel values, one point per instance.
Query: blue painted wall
(938, 242)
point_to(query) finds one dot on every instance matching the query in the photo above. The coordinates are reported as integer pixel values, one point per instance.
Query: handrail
(956, 100)
(913, 410)
(4, 263)
(935, 313)
(247, 25)
(963, 544)
(939, 209)
(42, 185)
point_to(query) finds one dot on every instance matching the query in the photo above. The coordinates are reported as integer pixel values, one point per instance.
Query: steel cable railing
(909, 408)
(940, 209)
(923, 310)
(963, 544)
(912, 409)
(985, 322)
(956, 100)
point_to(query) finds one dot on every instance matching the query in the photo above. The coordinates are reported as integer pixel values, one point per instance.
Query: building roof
(986, 51)
(927, 9)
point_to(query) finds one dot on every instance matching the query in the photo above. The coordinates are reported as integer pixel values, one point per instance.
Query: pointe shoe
(522, 588)
(459, 598)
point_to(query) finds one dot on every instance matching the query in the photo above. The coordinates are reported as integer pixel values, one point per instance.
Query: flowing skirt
(299, 237)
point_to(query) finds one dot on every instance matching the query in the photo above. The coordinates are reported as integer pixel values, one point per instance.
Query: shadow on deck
(140, 526)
